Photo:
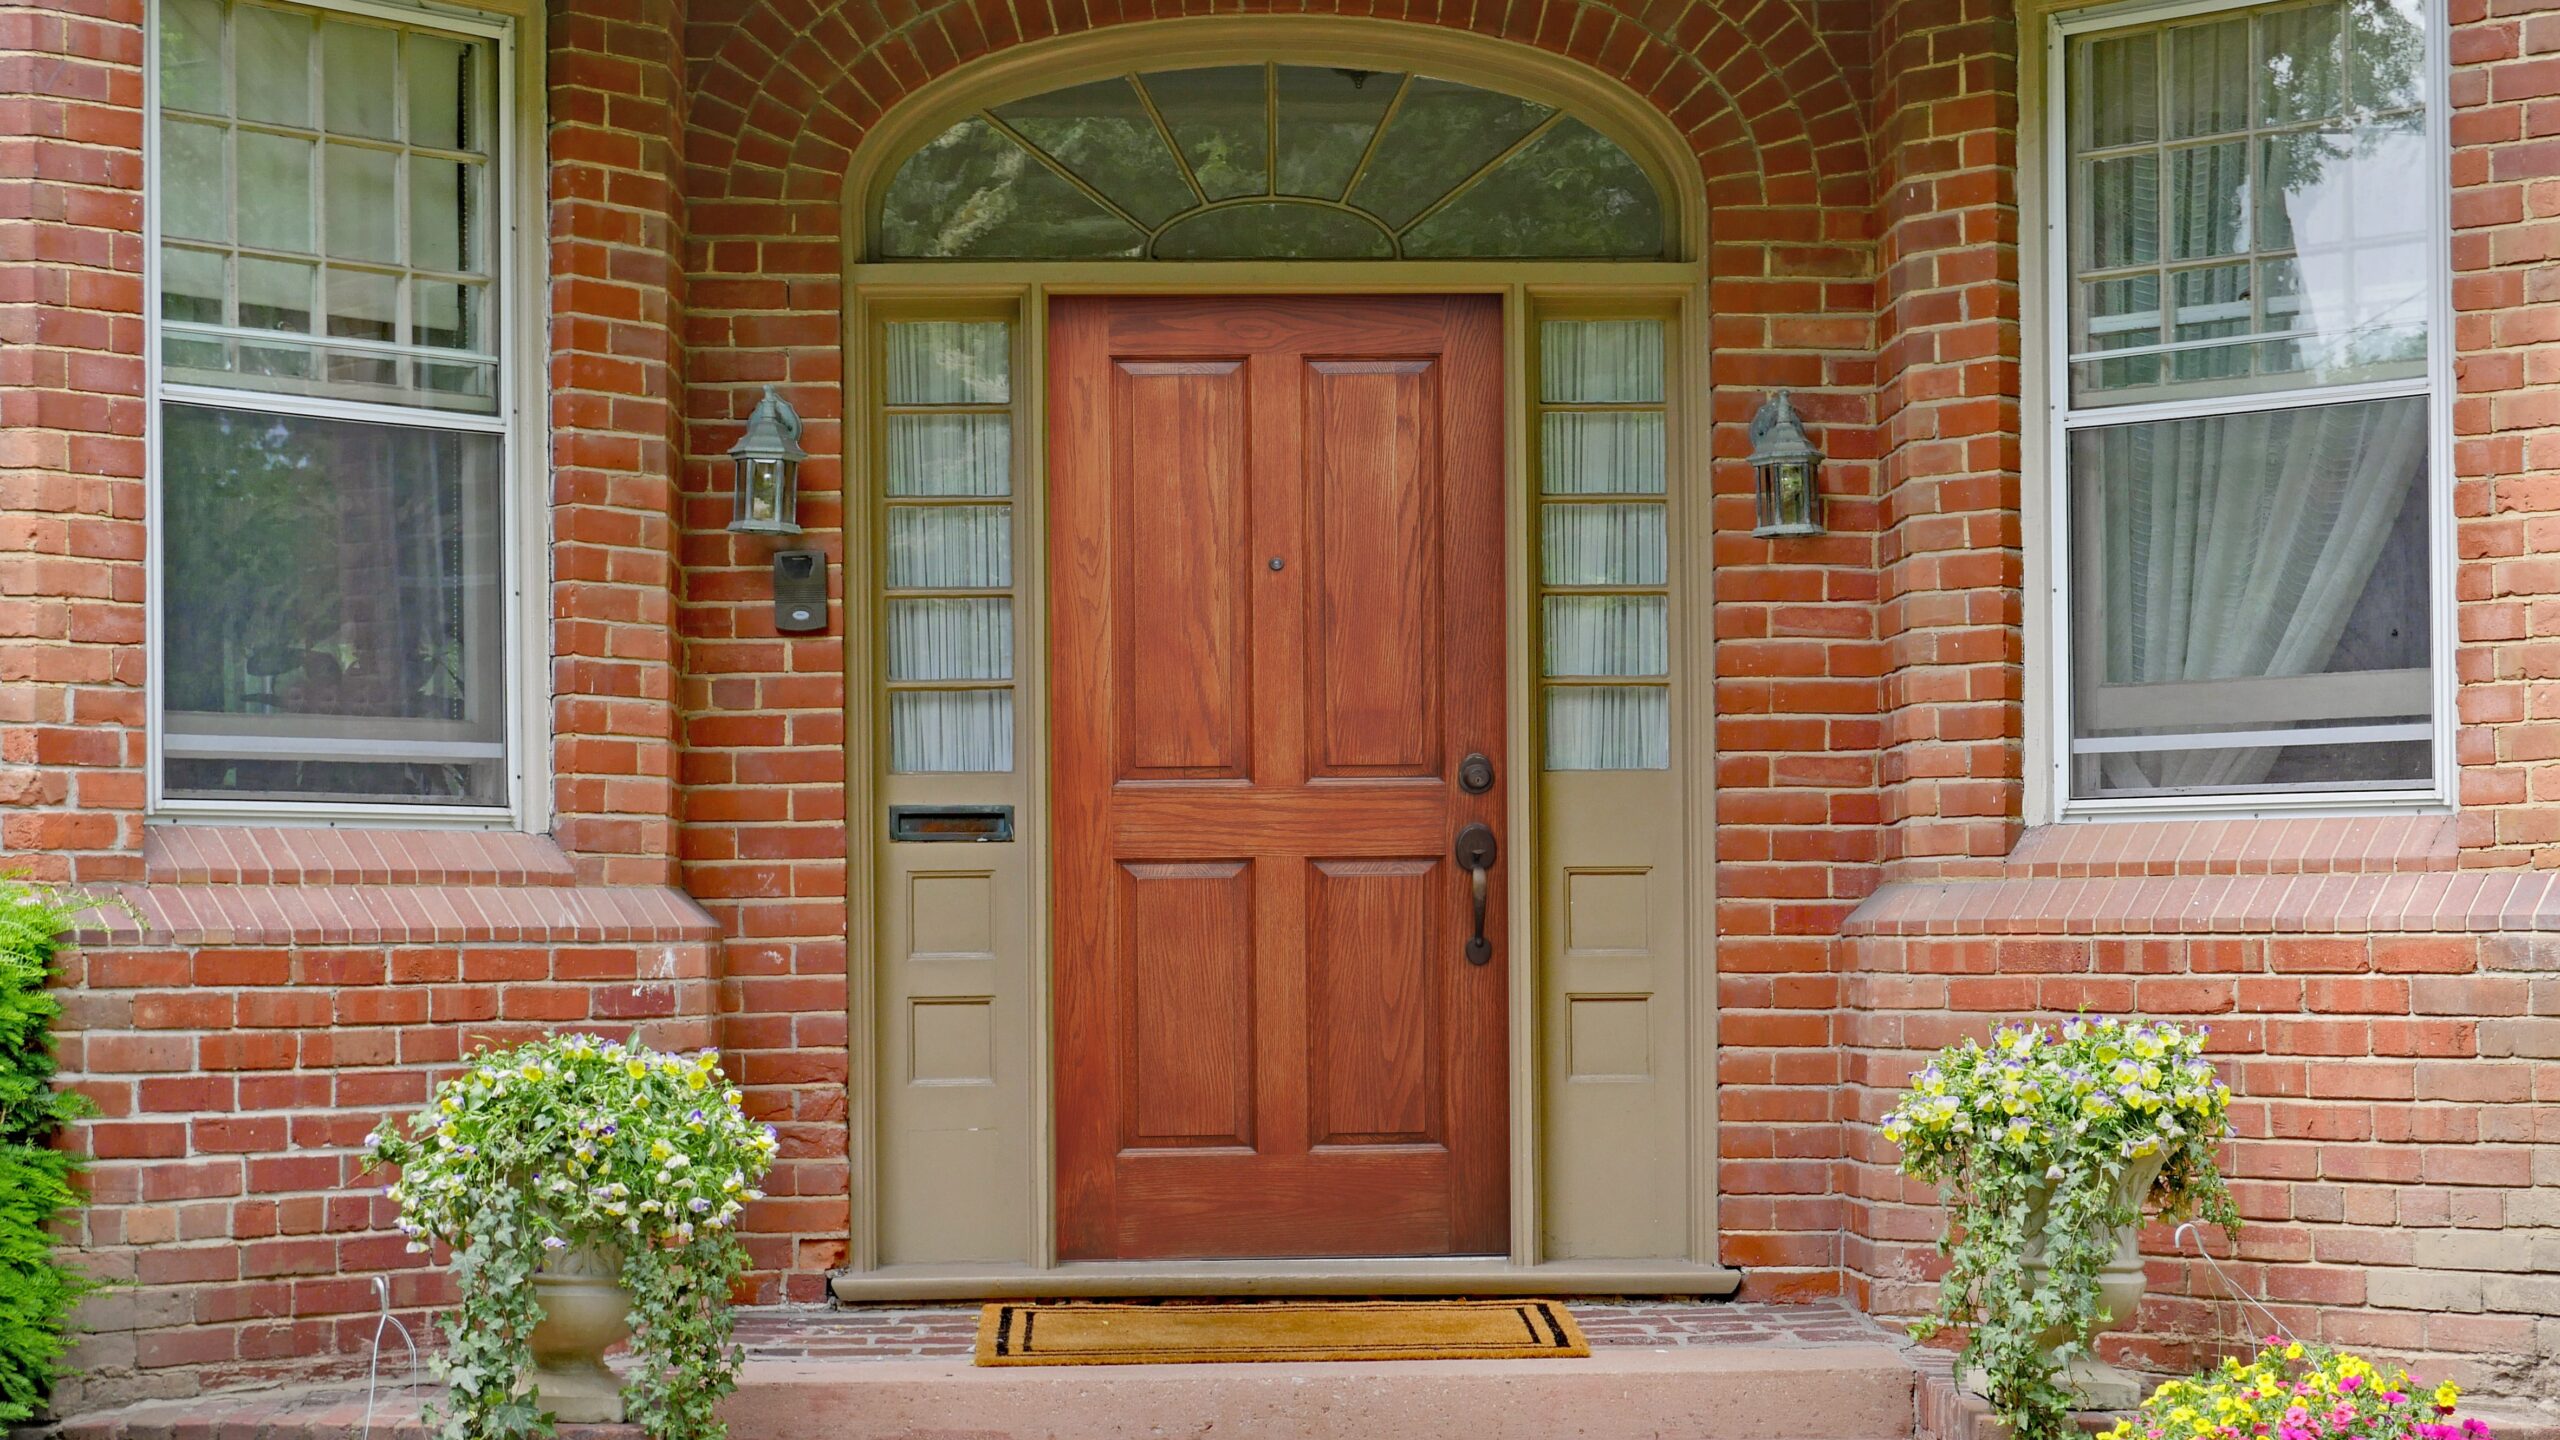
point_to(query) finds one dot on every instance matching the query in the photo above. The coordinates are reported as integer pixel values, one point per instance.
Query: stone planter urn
(585, 1312)
(2121, 1282)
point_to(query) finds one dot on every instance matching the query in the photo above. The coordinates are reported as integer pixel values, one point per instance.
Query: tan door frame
(1025, 288)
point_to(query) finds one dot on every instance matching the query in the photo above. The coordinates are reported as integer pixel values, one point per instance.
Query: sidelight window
(331, 430)
(1604, 544)
(2248, 395)
(947, 570)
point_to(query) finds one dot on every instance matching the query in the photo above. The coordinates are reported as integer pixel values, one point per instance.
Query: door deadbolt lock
(1475, 773)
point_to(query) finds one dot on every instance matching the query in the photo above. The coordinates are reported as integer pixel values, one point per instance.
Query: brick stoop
(1658, 1371)
(1848, 1392)
(1814, 1372)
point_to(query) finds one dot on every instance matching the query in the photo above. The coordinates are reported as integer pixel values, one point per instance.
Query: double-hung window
(2249, 275)
(331, 409)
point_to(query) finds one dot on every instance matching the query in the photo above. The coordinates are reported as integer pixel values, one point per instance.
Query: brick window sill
(239, 885)
(328, 855)
(2310, 845)
(2396, 875)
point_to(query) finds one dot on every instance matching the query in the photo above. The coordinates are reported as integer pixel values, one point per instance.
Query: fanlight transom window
(1271, 162)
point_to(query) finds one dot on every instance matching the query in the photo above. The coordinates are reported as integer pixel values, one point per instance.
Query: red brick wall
(2386, 1019)
(2396, 1073)
(277, 995)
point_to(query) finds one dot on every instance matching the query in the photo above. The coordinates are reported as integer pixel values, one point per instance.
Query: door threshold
(1461, 1275)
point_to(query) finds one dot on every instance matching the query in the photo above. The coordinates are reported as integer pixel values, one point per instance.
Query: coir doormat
(1129, 1334)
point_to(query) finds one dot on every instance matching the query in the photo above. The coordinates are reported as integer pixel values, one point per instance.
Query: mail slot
(936, 823)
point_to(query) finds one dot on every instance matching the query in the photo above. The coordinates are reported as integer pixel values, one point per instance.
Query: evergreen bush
(37, 1290)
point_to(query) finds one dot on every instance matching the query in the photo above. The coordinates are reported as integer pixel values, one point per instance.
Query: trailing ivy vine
(580, 1149)
(2047, 1144)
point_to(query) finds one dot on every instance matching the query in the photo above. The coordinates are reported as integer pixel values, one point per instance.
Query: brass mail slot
(938, 823)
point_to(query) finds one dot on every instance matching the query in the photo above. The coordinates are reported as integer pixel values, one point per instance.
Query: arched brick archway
(1764, 98)
(777, 99)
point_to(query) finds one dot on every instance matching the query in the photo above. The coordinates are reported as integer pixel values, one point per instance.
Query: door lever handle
(1477, 851)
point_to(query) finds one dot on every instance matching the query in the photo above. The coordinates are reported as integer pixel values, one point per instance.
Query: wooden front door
(1276, 569)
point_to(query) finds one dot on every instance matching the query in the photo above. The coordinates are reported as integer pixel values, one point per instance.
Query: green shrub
(36, 1290)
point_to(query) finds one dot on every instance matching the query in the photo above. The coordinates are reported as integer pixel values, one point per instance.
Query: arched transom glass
(1301, 162)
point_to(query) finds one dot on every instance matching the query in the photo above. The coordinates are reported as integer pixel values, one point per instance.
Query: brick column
(617, 295)
(2506, 426)
(1946, 142)
(1949, 562)
(72, 747)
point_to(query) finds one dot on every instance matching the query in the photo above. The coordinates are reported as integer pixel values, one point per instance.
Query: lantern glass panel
(764, 484)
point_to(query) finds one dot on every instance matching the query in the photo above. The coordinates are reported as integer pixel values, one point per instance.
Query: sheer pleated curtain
(2242, 546)
(947, 476)
(1604, 544)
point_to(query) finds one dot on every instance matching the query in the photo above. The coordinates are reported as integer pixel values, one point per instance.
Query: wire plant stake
(387, 1322)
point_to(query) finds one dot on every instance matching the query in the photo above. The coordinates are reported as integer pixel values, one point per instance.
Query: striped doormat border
(1106, 1333)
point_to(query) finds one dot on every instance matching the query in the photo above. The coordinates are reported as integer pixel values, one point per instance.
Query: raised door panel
(1180, 569)
(1374, 1023)
(1373, 502)
(1187, 932)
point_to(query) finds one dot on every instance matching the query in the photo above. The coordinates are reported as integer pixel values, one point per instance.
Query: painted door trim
(1022, 291)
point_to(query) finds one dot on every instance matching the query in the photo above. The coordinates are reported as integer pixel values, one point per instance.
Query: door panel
(1180, 580)
(1373, 507)
(1374, 1075)
(1190, 969)
(1276, 622)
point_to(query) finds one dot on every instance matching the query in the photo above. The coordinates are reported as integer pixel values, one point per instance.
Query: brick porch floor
(949, 1331)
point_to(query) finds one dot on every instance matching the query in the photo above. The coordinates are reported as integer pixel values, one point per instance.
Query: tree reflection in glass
(1271, 162)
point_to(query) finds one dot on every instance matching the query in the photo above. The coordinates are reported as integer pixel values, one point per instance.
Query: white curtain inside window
(1608, 727)
(950, 731)
(955, 639)
(1596, 547)
(2229, 547)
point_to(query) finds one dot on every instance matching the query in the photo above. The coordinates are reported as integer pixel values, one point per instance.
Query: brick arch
(791, 88)
(777, 101)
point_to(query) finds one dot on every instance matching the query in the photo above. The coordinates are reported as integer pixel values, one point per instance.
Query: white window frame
(518, 278)
(2061, 421)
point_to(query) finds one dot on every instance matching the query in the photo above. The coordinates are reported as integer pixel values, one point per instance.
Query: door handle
(1477, 851)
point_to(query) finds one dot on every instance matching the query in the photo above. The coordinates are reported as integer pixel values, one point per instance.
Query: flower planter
(602, 1183)
(585, 1312)
(2121, 1282)
(2038, 1118)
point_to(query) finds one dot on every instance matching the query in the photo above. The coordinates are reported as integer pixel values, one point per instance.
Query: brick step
(1856, 1391)
(1844, 1392)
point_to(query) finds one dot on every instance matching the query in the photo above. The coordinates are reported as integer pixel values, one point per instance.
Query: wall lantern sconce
(768, 458)
(1783, 466)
